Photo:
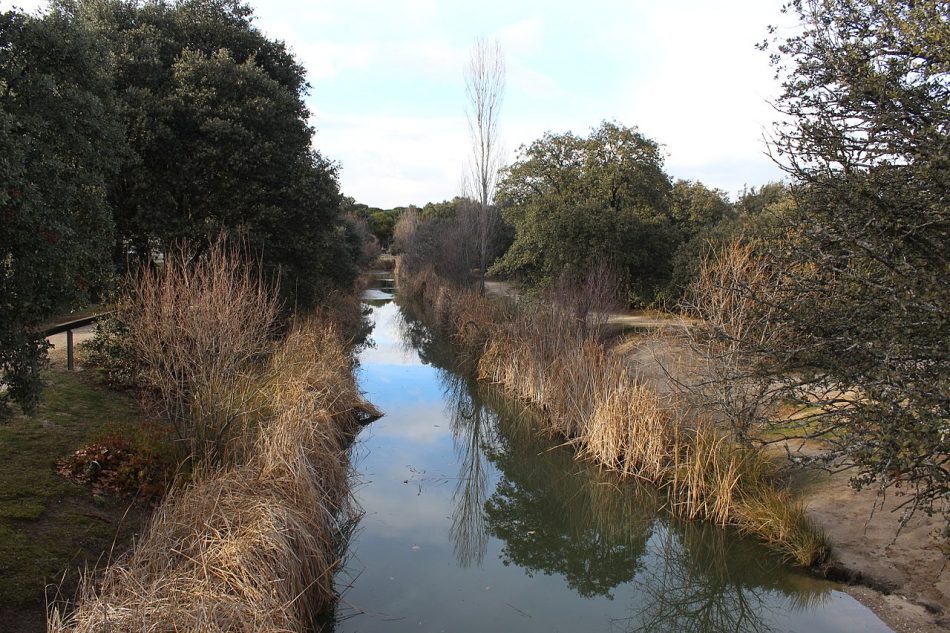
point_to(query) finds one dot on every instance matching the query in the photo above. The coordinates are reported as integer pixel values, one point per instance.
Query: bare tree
(484, 88)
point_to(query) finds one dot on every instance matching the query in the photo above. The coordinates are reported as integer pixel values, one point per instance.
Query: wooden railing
(68, 327)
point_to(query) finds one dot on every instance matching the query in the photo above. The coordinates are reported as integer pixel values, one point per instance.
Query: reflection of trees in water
(704, 578)
(473, 427)
(683, 593)
(559, 516)
(417, 337)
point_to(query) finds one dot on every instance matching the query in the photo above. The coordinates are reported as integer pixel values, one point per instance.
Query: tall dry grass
(198, 329)
(733, 303)
(251, 543)
(541, 353)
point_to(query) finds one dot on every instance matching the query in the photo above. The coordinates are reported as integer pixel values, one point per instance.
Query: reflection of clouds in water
(414, 422)
(386, 355)
(406, 483)
(409, 399)
(372, 294)
(388, 347)
(399, 512)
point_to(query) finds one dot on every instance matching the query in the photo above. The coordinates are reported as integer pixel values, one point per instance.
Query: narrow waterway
(473, 523)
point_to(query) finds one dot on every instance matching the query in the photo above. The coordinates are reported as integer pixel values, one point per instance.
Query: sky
(388, 93)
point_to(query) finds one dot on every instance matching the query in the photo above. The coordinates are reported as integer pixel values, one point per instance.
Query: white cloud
(705, 94)
(522, 37)
(389, 161)
(29, 6)
(389, 96)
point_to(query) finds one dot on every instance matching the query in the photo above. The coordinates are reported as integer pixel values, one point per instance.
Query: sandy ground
(904, 577)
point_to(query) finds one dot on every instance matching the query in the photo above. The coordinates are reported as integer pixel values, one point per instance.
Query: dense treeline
(128, 126)
(572, 205)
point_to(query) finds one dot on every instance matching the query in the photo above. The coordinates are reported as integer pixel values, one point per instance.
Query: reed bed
(542, 354)
(250, 543)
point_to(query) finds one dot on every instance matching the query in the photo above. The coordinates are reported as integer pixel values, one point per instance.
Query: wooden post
(69, 350)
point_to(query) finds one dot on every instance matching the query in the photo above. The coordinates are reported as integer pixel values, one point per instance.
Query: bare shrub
(404, 230)
(590, 296)
(724, 368)
(199, 327)
(369, 245)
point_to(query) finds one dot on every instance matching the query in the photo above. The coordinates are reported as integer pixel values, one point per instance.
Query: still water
(474, 523)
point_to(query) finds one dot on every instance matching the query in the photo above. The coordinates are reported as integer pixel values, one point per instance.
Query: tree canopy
(56, 112)
(866, 274)
(218, 139)
(131, 126)
(576, 203)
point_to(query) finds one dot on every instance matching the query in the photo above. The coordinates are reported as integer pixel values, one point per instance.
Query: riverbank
(547, 357)
(904, 577)
(263, 407)
(251, 546)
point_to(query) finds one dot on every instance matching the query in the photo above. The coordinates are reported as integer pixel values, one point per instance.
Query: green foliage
(696, 208)
(444, 210)
(382, 225)
(866, 270)
(579, 203)
(56, 116)
(109, 351)
(702, 215)
(219, 140)
(381, 222)
(709, 226)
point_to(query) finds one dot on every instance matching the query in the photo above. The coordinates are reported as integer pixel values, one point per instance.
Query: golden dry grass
(198, 328)
(251, 546)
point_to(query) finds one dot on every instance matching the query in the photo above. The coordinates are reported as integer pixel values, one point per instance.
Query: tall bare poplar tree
(484, 88)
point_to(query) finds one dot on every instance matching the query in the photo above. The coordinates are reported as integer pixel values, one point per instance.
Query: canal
(475, 523)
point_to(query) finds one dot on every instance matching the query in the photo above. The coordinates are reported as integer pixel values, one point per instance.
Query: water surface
(474, 523)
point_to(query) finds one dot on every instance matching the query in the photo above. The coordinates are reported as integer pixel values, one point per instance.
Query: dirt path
(903, 577)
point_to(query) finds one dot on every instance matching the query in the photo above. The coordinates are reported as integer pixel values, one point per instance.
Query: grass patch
(48, 526)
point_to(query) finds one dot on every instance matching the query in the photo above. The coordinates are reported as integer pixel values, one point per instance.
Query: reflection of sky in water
(551, 532)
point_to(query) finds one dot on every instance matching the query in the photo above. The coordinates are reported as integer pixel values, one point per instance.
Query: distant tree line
(127, 126)
(572, 204)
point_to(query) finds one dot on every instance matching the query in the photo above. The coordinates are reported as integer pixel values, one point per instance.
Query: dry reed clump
(631, 432)
(198, 328)
(469, 317)
(250, 547)
(544, 355)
